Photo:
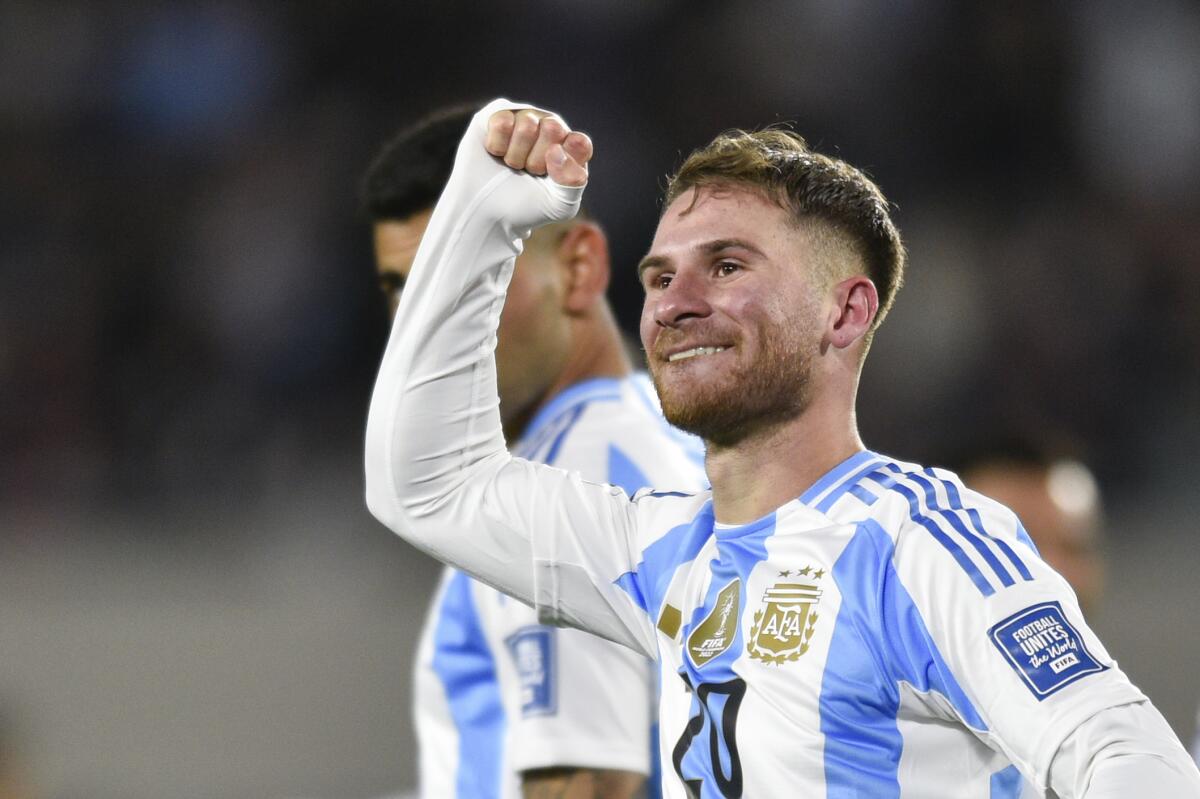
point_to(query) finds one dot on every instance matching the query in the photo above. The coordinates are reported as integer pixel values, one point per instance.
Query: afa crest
(783, 628)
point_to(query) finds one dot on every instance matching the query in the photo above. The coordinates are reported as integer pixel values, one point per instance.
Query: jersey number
(709, 697)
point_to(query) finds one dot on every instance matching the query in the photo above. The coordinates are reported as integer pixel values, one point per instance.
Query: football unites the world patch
(533, 654)
(1044, 649)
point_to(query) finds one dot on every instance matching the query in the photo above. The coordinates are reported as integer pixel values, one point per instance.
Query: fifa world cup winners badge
(783, 628)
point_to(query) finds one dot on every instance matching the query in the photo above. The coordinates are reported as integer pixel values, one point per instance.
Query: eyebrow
(709, 248)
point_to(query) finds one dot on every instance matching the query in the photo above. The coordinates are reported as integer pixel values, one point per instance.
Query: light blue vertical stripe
(879, 640)
(464, 664)
(647, 583)
(739, 550)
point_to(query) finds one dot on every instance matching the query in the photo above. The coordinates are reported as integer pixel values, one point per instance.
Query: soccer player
(504, 706)
(828, 620)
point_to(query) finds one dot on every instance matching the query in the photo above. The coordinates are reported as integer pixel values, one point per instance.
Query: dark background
(193, 600)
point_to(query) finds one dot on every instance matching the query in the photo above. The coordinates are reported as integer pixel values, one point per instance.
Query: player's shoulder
(936, 527)
(611, 430)
(910, 502)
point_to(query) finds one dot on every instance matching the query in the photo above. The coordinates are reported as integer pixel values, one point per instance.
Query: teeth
(693, 352)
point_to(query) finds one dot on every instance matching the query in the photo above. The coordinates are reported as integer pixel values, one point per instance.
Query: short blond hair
(778, 163)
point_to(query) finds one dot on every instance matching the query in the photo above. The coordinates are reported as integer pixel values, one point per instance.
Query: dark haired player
(503, 705)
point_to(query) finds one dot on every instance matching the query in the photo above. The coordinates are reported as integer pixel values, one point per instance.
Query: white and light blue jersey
(497, 693)
(889, 633)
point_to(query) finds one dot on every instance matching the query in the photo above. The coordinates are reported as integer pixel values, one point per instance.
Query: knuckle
(525, 123)
(501, 122)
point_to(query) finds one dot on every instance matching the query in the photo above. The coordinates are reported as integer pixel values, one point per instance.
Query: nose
(682, 299)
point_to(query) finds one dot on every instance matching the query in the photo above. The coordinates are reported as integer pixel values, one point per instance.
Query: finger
(525, 132)
(499, 132)
(578, 146)
(563, 169)
(551, 131)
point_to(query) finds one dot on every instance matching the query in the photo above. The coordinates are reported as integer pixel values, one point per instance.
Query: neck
(596, 351)
(774, 466)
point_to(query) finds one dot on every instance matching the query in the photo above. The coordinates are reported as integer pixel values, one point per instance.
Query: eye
(657, 281)
(726, 268)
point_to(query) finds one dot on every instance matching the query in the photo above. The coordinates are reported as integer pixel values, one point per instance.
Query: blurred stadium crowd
(188, 325)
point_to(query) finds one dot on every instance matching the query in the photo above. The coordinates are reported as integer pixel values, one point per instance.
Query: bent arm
(437, 471)
(1121, 752)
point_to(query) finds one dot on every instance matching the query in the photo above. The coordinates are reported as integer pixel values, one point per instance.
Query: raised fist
(539, 143)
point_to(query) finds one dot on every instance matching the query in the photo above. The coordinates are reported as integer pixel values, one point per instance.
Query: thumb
(563, 169)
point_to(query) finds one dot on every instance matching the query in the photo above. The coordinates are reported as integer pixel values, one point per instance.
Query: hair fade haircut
(779, 164)
(410, 171)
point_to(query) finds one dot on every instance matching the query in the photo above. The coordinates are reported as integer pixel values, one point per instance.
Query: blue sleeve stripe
(970, 537)
(977, 522)
(846, 485)
(837, 475)
(862, 494)
(914, 513)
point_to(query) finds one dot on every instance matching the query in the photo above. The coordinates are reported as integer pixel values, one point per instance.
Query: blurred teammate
(499, 698)
(829, 621)
(1057, 501)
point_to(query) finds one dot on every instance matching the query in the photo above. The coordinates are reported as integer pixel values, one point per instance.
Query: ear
(856, 304)
(583, 256)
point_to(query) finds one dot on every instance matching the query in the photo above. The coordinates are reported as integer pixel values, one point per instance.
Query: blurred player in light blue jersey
(829, 621)
(504, 706)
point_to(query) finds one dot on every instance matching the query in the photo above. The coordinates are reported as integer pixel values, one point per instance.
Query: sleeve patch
(1043, 648)
(533, 652)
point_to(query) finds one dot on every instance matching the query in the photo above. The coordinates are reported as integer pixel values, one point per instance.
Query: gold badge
(715, 634)
(784, 627)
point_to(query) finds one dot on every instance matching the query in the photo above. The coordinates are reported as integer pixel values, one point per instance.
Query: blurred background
(193, 599)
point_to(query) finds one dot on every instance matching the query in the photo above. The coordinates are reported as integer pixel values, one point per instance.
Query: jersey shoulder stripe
(934, 501)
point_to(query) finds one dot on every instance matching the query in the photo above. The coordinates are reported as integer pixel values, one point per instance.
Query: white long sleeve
(437, 471)
(1122, 752)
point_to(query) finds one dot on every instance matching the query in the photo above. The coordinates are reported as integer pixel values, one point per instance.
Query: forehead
(708, 213)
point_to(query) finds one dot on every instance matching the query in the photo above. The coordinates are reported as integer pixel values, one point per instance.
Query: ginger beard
(764, 386)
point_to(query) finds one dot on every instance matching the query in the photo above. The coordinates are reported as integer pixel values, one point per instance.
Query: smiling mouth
(693, 352)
